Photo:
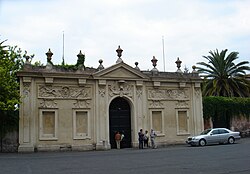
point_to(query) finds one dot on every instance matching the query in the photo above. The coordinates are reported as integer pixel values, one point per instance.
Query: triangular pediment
(120, 71)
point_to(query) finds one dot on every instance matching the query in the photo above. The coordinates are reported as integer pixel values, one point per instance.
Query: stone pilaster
(139, 111)
(102, 122)
(25, 120)
(197, 108)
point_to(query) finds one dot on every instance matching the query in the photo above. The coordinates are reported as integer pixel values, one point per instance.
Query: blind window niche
(81, 129)
(48, 124)
(182, 117)
(157, 121)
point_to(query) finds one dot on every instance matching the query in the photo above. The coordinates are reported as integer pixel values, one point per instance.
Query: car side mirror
(211, 134)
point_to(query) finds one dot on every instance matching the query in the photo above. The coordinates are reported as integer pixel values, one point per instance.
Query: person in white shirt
(152, 138)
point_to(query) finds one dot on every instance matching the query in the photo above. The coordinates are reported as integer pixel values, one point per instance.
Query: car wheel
(202, 142)
(231, 140)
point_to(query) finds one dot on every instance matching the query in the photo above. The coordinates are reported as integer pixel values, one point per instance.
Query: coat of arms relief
(120, 88)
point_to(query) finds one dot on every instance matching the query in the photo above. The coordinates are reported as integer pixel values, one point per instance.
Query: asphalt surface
(215, 159)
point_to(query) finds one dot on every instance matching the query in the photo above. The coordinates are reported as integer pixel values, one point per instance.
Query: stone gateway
(82, 109)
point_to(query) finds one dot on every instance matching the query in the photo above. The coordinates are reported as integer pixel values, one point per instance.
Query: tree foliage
(225, 106)
(11, 61)
(223, 109)
(223, 77)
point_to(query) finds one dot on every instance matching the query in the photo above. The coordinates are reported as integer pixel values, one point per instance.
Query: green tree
(223, 77)
(10, 62)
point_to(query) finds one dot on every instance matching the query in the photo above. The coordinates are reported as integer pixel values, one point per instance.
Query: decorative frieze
(170, 94)
(182, 104)
(63, 92)
(156, 104)
(48, 103)
(82, 104)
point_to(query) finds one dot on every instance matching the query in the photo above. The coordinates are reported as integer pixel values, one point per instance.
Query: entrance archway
(120, 120)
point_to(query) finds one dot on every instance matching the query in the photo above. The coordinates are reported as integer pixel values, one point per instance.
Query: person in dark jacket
(141, 139)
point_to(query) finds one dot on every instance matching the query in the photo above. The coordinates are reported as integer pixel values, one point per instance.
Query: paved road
(216, 159)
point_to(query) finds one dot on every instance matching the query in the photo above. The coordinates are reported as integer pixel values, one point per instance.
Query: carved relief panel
(156, 104)
(167, 94)
(48, 103)
(182, 104)
(48, 95)
(64, 92)
(158, 97)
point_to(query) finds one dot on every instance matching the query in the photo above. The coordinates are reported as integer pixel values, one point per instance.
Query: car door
(214, 136)
(223, 135)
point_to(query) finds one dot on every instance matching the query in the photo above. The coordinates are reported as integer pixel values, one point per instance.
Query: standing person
(141, 136)
(146, 138)
(152, 138)
(118, 140)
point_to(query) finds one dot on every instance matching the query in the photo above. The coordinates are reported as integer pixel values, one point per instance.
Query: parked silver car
(213, 136)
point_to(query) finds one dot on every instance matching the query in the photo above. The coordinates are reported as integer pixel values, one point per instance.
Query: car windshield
(205, 131)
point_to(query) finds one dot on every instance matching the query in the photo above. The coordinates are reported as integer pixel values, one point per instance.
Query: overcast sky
(188, 28)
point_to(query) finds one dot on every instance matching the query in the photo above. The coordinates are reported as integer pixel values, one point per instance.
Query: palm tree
(222, 77)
